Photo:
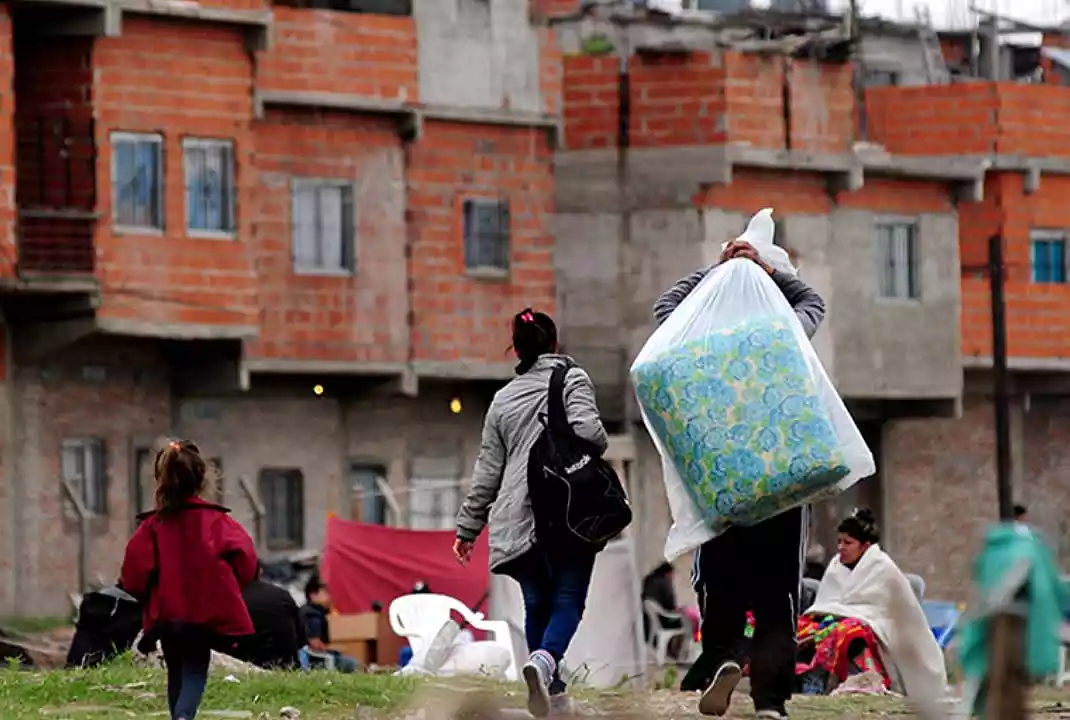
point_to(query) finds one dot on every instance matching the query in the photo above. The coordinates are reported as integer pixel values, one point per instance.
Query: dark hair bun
(865, 516)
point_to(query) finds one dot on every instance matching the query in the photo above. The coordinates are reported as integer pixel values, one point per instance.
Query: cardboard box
(355, 635)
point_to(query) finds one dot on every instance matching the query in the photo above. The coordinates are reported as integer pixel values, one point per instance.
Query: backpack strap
(556, 418)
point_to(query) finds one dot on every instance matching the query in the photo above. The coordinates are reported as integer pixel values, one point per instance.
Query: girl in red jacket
(188, 562)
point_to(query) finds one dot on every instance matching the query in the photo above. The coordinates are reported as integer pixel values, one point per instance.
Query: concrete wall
(893, 349)
(870, 347)
(900, 55)
(120, 391)
(478, 54)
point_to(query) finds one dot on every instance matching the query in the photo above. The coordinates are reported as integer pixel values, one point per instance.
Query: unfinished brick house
(886, 197)
(293, 234)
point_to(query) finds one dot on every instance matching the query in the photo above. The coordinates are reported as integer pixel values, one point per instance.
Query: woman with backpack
(187, 563)
(554, 581)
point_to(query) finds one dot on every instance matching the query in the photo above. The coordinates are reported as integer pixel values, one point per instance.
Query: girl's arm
(237, 548)
(139, 562)
(486, 481)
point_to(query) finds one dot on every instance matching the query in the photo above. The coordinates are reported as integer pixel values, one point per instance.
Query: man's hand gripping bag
(741, 410)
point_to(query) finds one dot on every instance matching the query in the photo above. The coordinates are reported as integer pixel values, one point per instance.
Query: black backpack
(576, 497)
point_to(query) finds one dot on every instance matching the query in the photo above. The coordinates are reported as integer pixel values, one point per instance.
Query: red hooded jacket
(192, 566)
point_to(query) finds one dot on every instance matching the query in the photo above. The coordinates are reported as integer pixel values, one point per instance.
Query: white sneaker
(718, 696)
(560, 704)
(537, 673)
(770, 715)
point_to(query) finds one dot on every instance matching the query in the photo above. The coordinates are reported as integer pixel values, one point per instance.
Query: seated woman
(867, 618)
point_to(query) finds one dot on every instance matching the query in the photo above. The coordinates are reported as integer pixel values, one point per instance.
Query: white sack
(710, 367)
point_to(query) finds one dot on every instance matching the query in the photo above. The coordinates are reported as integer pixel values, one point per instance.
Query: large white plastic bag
(744, 416)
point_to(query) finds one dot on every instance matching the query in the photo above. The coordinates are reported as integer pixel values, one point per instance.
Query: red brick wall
(590, 101)
(361, 54)
(969, 119)
(675, 100)
(1029, 119)
(822, 104)
(250, 5)
(178, 79)
(456, 316)
(550, 70)
(705, 98)
(754, 96)
(1038, 316)
(542, 9)
(55, 156)
(934, 120)
(360, 317)
(8, 246)
(751, 190)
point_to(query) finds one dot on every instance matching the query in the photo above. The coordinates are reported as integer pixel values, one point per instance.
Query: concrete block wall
(479, 54)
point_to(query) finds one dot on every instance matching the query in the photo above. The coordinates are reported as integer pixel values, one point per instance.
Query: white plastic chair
(420, 616)
(660, 636)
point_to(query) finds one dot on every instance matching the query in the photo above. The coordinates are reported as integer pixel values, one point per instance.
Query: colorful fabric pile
(827, 642)
(741, 417)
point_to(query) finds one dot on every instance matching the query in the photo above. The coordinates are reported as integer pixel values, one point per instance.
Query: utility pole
(1000, 379)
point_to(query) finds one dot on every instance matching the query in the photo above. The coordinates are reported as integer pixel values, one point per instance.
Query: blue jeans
(554, 586)
(342, 663)
(187, 659)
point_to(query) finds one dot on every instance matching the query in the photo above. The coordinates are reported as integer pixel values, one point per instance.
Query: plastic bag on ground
(741, 410)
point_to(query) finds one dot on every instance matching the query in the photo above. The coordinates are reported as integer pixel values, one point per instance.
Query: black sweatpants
(755, 568)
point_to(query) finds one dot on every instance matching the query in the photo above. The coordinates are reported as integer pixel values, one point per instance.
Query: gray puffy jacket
(499, 493)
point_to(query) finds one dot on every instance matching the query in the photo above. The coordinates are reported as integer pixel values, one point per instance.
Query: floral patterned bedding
(739, 414)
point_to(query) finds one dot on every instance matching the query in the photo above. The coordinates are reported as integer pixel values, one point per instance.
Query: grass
(125, 689)
(34, 625)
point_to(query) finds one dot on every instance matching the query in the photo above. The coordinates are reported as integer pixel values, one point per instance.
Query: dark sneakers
(718, 696)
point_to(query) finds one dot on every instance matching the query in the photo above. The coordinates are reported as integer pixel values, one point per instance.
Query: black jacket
(280, 632)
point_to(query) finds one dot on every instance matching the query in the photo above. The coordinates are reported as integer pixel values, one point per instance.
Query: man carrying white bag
(750, 429)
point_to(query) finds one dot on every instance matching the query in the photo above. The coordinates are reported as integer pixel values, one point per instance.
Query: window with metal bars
(137, 180)
(323, 226)
(83, 467)
(1048, 251)
(282, 492)
(897, 260)
(209, 169)
(486, 234)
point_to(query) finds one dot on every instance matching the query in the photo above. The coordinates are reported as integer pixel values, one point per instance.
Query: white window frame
(481, 268)
(156, 139)
(913, 260)
(1050, 235)
(350, 242)
(92, 484)
(231, 208)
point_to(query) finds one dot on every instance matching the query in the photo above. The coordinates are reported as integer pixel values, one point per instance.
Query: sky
(956, 13)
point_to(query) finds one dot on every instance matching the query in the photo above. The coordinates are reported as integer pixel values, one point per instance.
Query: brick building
(885, 196)
(296, 235)
(293, 234)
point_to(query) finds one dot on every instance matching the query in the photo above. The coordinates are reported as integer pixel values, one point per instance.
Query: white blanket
(877, 593)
